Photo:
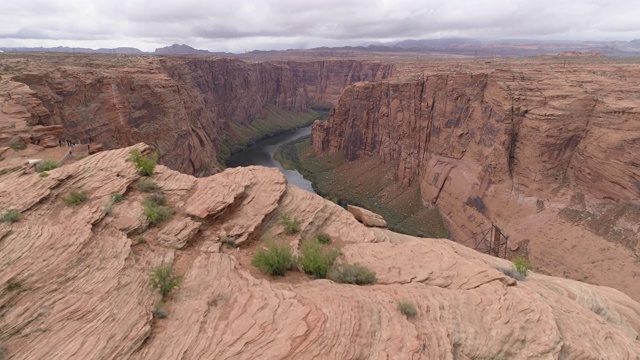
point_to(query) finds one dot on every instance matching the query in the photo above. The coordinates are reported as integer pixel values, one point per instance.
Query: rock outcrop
(76, 280)
(368, 218)
(548, 154)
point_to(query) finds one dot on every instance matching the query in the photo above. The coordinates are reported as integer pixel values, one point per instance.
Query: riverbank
(275, 122)
(358, 184)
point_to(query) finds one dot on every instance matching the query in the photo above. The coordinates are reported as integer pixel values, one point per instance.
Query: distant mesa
(175, 49)
(180, 49)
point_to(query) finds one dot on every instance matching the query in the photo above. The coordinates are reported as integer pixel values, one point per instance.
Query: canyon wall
(325, 80)
(194, 110)
(188, 108)
(545, 153)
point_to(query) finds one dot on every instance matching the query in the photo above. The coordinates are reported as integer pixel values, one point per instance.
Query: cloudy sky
(244, 25)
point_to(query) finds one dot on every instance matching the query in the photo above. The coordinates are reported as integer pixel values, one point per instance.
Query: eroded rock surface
(547, 153)
(368, 218)
(75, 280)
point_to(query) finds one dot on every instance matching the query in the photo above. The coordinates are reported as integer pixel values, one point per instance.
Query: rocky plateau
(76, 279)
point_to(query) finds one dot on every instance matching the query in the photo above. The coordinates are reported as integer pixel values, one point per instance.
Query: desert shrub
(511, 273)
(114, 198)
(18, 145)
(275, 261)
(230, 241)
(407, 308)
(290, 226)
(351, 274)
(145, 164)
(323, 238)
(13, 285)
(44, 174)
(164, 279)
(159, 311)
(10, 216)
(76, 198)
(316, 259)
(155, 211)
(140, 239)
(157, 199)
(46, 165)
(522, 265)
(146, 185)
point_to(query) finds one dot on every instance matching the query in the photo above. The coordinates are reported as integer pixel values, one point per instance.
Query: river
(261, 153)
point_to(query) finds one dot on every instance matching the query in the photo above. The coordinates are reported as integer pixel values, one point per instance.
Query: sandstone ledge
(79, 280)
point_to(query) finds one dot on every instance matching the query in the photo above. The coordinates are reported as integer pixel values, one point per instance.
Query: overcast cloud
(244, 25)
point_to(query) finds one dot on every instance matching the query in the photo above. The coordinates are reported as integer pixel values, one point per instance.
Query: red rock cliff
(522, 147)
(183, 106)
(326, 79)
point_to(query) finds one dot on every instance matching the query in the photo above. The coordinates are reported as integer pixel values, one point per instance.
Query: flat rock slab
(369, 218)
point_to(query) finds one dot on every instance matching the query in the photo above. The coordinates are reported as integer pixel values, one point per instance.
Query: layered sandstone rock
(188, 108)
(325, 80)
(367, 217)
(547, 153)
(192, 109)
(76, 280)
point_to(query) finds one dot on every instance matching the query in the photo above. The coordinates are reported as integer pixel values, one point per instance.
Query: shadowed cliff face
(184, 107)
(548, 154)
(525, 131)
(190, 109)
(326, 79)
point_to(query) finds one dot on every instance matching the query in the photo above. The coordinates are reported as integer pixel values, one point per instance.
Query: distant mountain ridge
(175, 49)
(446, 46)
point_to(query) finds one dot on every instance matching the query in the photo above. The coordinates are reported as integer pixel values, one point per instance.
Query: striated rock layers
(547, 153)
(194, 110)
(75, 280)
(325, 80)
(188, 108)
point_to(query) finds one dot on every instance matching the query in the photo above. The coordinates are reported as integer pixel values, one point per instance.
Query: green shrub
(76, 198)
(13, 285)
(10, 216)
(155, 211)
(230, 241)
(46, 165)
(114, 198)
(351, 274)
(522, 265)
(44, 174)
(275, 261)
(316, 259)
(511, 272)
(18, 145)
(146, 185)
(323, 238)
(159, 311)
(145, 164)
(157, 199)
(290, 226)
(164, 279)
(407, 308)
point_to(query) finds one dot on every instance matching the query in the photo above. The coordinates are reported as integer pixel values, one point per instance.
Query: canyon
(544, 150)
(194, 110)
